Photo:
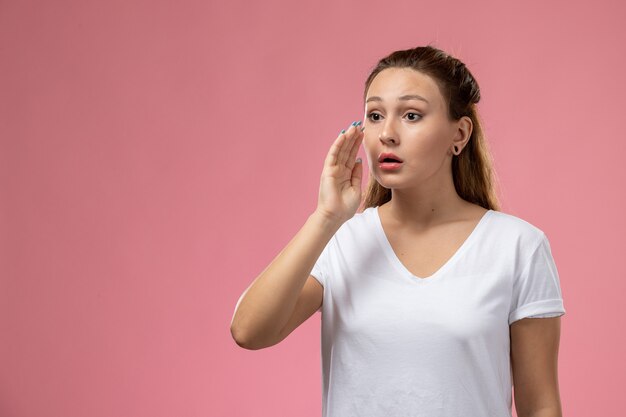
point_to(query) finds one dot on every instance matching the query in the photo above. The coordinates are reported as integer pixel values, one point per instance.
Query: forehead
(392, 83)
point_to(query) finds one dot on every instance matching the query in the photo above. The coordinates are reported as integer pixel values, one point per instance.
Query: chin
(390, 182)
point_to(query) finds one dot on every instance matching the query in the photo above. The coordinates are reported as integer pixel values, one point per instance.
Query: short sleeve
(320, 269)
(537, 289)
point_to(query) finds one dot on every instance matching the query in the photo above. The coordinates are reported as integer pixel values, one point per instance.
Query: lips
(389, 157)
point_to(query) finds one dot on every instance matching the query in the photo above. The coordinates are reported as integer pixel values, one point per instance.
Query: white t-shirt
(395, 345)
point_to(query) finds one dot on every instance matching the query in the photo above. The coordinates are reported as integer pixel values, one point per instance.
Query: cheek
(429, 141)
(430, 146)
(369, 145)
(417, 146)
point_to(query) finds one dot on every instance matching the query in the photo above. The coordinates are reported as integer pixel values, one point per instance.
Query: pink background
(157, 155)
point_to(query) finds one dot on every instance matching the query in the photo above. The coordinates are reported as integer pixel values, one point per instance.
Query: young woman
(433, 302)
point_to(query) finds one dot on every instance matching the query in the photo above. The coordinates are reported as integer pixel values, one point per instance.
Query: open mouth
(389, 164)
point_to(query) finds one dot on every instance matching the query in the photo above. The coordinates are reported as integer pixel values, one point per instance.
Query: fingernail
(363, 128)
(358, 160)
(343, 131)
(358, 123)
(353, 124)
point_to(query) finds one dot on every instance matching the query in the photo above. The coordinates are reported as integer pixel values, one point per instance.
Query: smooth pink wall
(157, 155)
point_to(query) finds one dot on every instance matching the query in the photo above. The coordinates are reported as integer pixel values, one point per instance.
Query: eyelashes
(417, 118)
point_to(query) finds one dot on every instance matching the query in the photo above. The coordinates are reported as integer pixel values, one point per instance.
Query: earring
(455, 151)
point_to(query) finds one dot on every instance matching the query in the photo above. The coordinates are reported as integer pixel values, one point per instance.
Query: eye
(412, 116)
(415, 114)
(369, 116)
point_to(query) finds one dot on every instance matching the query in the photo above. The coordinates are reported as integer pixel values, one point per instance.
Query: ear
(463, 132)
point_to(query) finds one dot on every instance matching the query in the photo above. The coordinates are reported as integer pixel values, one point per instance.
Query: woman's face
(416, 131)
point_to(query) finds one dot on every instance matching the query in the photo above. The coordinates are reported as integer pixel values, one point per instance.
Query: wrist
(325, 222)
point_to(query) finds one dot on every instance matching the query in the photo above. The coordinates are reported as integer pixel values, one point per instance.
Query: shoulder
(358, 227)
(360, 220)
(511, 227)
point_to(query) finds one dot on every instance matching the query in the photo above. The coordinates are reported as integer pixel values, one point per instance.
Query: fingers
(354, 149)
(336, 149)
(339, 151)
(357, 174)
(346, 151)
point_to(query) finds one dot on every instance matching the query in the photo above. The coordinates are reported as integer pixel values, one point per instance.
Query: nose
(388, 133)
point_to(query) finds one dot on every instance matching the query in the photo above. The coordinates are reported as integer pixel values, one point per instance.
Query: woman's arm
(267, 304)
(534, 361)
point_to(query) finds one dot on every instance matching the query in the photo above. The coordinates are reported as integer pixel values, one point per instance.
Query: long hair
(472, 170)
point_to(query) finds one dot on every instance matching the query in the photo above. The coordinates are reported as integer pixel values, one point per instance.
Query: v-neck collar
(395, 261)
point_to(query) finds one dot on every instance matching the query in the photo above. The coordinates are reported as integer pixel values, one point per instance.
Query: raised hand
(340, 184)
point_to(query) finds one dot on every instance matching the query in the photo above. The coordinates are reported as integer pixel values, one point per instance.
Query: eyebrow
(405, 97)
